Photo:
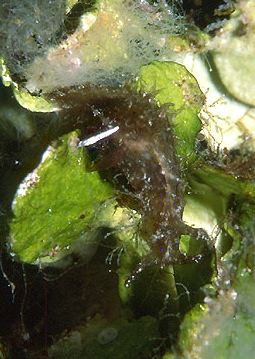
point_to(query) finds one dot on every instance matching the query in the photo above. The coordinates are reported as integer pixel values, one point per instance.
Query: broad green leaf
(224, 328)
(173, 85)
(57, 202)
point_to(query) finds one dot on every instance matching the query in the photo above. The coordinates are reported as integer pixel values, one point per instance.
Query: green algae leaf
(224, 326)
(189, 327)
(227, 329)
(224, 329)
(32, 103)
(5, 73)
(170, 355)
(56, 203)
(24, 98)
(213, 194)
(223, 183)
(173, 85)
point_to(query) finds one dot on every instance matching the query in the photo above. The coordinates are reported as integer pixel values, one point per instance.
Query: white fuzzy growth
(108, 47)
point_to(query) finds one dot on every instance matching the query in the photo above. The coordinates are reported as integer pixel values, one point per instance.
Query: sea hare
(138, 145)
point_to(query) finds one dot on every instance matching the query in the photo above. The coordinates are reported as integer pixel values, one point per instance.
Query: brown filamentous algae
(141, 148)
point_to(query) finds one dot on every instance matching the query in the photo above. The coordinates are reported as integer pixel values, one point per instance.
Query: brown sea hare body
(141, 151)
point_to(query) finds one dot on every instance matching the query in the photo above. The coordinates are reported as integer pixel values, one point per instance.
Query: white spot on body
(100, 136)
